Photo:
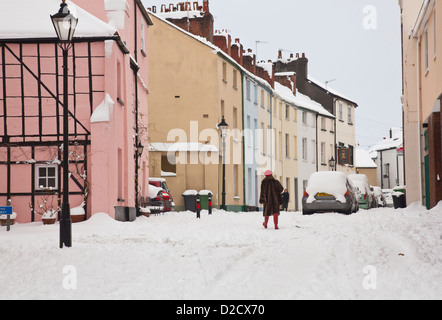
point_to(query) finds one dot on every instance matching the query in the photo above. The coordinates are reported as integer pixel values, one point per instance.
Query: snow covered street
(376, 254)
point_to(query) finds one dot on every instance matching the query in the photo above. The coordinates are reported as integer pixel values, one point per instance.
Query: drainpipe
(317, 165)
(419, 119)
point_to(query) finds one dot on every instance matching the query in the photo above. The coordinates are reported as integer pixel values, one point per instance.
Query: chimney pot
(206, 5)
(279, 54)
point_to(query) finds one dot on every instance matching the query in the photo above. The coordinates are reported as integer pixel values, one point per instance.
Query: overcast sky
(356, 42)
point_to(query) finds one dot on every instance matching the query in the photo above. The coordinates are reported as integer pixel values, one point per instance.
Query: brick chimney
(201, 25)
(223, 40)
(237, 51)
(249, 61)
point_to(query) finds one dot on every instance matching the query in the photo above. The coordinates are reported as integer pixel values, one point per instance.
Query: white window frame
(38, 177)
(304, 148)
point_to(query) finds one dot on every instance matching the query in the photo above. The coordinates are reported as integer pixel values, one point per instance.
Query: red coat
(270, 197)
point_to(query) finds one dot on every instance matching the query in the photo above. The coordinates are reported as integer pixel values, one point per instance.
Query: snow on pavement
(376, 254)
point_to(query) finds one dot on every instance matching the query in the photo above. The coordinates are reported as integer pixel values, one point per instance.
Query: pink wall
(107, 138)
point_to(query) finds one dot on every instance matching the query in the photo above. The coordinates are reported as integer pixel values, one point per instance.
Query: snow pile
(331, 182)
(375, 254)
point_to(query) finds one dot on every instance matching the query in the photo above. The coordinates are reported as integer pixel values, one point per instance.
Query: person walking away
(285, 200)
(270, 197)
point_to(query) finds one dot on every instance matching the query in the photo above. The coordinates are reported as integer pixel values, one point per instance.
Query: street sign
(6, 210)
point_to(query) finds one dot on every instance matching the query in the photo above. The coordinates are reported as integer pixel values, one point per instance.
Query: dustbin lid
(190, 193)
(205, 192)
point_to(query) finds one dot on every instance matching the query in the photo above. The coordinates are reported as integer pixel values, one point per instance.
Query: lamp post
(332, 163)
(65, 24)
(223, 127)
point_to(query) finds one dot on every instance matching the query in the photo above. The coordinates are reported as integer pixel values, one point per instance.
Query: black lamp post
(332, 163)
(65, 24)
(223, 127)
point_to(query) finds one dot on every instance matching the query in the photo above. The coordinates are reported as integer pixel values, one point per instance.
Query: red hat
(268, 173)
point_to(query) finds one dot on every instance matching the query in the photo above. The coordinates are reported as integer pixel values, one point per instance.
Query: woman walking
(270, 197)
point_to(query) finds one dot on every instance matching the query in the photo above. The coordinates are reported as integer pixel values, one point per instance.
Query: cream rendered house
(422, 94)
(194, 84)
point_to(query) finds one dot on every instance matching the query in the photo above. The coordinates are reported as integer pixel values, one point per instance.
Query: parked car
(155, 200)
(380, 200)
(169, 205)
(388, 196)
(366, 199)
(329, 192)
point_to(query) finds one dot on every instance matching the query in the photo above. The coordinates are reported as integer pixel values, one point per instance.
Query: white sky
(366, 63)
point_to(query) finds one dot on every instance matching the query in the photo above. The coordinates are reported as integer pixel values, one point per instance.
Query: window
(235, 79)
(304, 148)
(225, 72)
(295, 149)
(248, 89)
(46, 177)
(287, 146)
(287, 112)
(119, 84)
(341, 115)
(168, 164)
(262, 98)
(350, 118)
(304, 117)
(143, 38)
(314, 151)
(323, 124)
(426, 49)
(322, 152)
(255, 89)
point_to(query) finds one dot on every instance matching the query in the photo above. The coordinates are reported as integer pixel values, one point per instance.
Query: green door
(427, 182)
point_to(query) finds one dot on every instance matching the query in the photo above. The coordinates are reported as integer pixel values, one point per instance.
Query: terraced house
(421, 101)
(200, 76)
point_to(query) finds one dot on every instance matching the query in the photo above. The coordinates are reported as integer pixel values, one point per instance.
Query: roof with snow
(330, 90)
(25, 19)
(300, 100)
(363, 159)
(395, 142)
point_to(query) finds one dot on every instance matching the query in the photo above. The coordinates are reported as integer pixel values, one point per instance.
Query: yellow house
(193, 84)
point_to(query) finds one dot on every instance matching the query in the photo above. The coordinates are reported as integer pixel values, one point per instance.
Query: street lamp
(65, 24)
(223, 127)
(332, 163)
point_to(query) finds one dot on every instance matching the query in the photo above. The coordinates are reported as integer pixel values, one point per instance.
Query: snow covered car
(329, 192)
(366, 199)
(380, 200)
(155, 200)
(169, 205)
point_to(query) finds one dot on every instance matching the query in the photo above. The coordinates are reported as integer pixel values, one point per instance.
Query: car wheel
(306, 212)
